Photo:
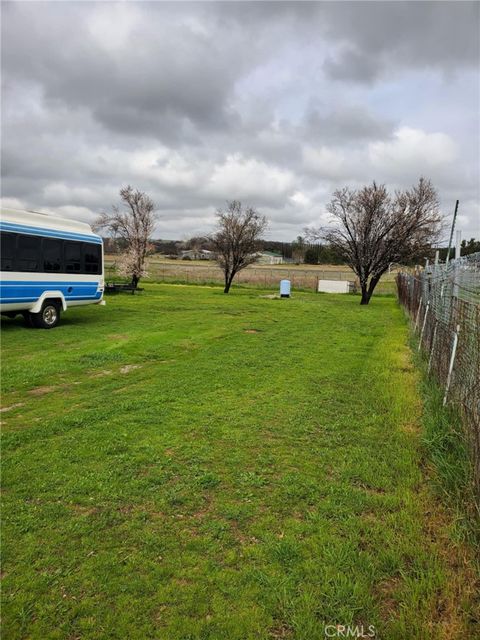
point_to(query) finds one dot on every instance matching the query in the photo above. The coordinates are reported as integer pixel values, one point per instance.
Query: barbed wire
(444, 304)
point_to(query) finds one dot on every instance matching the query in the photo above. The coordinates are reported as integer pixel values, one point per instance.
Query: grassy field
(184, 465)
(302, 276)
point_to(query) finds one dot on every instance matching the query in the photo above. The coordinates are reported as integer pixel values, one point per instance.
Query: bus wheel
(48, 317)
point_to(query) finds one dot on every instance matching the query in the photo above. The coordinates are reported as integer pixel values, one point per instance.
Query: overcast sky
(275, 104)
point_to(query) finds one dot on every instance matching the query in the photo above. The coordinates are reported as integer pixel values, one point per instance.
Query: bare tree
(236, 240)
(298, 249)
(374, 229)
(134, 226)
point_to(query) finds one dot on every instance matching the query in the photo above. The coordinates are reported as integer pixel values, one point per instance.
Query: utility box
(336, 286)
(284, 288)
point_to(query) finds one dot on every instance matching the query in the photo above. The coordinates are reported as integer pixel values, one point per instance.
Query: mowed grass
(183, 464)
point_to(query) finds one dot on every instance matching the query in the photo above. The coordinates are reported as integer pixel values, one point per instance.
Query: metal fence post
(423, 325)
(452, 360)
(418, 314)
(432, 347)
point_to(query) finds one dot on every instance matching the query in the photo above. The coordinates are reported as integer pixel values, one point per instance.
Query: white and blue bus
(48, 264)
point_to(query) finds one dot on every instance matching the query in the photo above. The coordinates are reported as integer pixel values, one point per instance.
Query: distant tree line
(467, 247)
(308, 253)
(314, 253)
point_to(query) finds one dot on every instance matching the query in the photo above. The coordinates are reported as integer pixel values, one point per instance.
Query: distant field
(302, 276)
(181, 464)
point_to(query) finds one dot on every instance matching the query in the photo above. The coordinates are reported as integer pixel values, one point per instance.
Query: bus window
(52, 255)
(92, 256)
(28, 253)
(9, 241)
(73, 257)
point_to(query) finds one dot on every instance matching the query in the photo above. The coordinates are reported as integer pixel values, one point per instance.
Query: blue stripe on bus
(49, 233)
(49, 283)
(37, 291)
(67, 298)
(14, 291)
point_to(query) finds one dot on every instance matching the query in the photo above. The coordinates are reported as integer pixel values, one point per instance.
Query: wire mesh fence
(444, 304)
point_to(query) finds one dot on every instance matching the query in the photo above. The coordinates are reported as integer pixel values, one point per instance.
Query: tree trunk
(228, 282)
(135, 280)
(365, 297)
(367, 291)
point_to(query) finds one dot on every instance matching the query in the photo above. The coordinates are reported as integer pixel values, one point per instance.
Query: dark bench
(117, 287)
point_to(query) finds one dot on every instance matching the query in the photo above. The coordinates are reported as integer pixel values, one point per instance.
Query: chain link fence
(443, 302)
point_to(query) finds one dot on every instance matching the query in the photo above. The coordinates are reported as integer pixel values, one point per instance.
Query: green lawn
(188, 465)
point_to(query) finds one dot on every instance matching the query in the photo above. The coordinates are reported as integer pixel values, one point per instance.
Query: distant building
(268, 257)
(197, 254)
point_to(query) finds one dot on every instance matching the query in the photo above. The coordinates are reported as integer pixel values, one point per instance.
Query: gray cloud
(275, 103)
(347, 124)
(387, 36)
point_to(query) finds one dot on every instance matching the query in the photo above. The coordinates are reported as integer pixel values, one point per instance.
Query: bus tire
(49, 316)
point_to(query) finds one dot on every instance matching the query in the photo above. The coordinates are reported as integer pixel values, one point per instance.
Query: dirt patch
(129, 367)
(183, 582)
(370, 517)
(252, 330)
(246, 540)
(100, 374)
(84, 510)
(385, 592)
(411, 427)
(281, 630)
(41, 391)
(126, 509)
(123, 389)
(200, 515)
(12, 406)
(118, 336)
(368, 488)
